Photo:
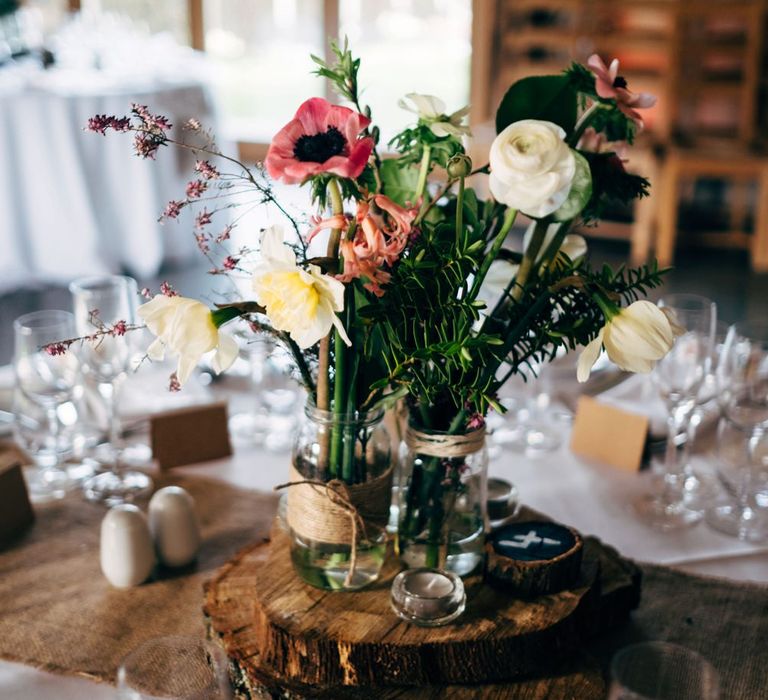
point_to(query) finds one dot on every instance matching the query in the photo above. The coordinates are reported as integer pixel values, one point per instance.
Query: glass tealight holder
(428, 597)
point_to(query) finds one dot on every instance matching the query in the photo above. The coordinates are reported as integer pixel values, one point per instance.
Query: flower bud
(459, 166)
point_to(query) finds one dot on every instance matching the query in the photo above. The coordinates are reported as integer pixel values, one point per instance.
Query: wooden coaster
(535, 557)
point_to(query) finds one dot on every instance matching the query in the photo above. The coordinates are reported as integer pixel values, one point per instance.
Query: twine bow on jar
(333, 511)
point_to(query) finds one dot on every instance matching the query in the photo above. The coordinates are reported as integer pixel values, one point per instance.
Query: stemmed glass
(101, 302)
(678, 378)
(662, 671)
(46, 379)
(742, 377)
(272, 417)
(178, 667)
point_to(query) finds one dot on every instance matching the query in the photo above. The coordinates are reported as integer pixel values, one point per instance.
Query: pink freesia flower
(321, 138)
(382, 230)
(610, 85)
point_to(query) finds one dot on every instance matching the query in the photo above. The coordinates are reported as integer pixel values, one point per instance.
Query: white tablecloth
(75, 203)
(593, 498)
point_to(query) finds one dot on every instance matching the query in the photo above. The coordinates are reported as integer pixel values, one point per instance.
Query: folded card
(190, 435)
(609, 435)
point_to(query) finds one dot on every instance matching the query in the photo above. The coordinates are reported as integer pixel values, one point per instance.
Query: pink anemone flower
(321, 138)
(610, 85)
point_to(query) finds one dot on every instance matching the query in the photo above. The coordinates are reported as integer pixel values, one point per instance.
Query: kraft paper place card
(15, 509)
(608, 435)
(190, 435)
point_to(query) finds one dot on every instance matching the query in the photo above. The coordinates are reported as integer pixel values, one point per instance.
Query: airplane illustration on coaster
(525, 541)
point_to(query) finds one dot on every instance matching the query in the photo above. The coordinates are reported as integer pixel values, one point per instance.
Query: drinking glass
(102, 302)
(662, 671)
(177, 667)
(743, 433)
(47, 381)
(678, 378)
(272, 418)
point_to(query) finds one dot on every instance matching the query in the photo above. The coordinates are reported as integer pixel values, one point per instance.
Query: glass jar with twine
(339, 495)
(442, 499)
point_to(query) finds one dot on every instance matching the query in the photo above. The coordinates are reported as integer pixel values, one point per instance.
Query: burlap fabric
(57, 611)
(725, 622)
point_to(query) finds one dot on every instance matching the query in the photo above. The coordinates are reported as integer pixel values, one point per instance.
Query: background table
(74, 203)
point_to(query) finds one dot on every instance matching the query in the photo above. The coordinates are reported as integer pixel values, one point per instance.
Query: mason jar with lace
(339, 496)
(442, 493)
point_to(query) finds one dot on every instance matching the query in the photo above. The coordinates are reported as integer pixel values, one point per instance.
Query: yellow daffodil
(635, 338)
(186, 328)
(302, 302)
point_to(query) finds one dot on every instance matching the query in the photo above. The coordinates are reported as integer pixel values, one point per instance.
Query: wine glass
(178, 667)
(742, 446)
(678, 378)
(662, 671)
(271, 419)
(46, 379)
(101, 303)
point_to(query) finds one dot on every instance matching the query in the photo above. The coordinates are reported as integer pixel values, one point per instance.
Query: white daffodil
(186, 328)
(302, 302)
(431, 110)
(635, 338)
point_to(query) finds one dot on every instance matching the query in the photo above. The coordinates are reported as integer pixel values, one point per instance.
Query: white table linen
(74, 203)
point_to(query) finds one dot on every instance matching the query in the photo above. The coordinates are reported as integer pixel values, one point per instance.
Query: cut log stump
(286, 639)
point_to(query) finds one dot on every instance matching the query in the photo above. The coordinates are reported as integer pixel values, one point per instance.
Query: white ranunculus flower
(431, 110)
(532, 168)
(302, 302)
(635, 339)
(186, 328)
(573, 245)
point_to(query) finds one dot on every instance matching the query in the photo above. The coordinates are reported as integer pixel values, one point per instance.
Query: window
(260, 50)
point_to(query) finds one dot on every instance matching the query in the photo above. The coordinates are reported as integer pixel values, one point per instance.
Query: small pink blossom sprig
(103, 330)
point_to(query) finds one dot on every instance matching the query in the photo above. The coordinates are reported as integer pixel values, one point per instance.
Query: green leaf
(581, 191)
(546, 97)
(399, 183)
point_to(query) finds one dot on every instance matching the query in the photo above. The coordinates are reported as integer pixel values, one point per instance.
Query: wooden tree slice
(267, 618)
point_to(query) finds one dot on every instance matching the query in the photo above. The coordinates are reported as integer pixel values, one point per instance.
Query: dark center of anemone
(619, 82)
(317, 148)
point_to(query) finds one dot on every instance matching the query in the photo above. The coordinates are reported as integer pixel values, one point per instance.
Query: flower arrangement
(380, 296)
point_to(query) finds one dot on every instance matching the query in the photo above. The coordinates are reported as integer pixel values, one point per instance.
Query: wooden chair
(717, 80)
(681, 164)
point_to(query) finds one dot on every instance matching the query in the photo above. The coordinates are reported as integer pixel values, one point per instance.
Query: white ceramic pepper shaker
(127, 552)
(174, 526)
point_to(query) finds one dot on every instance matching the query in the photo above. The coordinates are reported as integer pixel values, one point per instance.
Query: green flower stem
(584, 122)
(324, 353)
(532, 252)
(509, 219)
(550, 252)
(460, 212)
(421, 183)
(339, 401)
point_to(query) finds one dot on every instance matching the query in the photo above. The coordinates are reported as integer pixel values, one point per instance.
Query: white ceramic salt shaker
(127, 552)
(174, 526)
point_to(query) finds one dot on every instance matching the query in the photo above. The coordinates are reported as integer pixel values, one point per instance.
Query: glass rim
(218, 671)
(81, 285)
(660, 647)
(328, 417)
(685, 297)
(22, 326)
(400, 583)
